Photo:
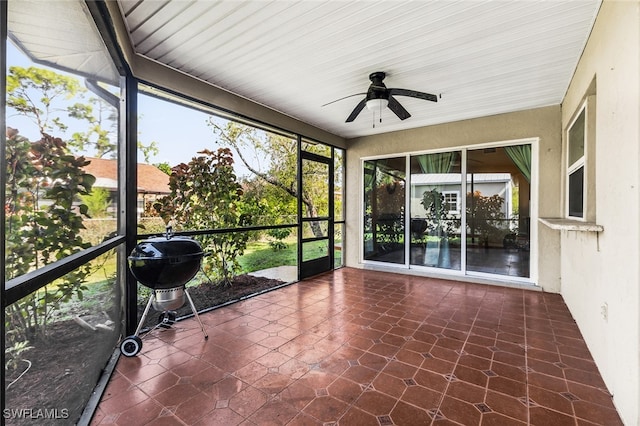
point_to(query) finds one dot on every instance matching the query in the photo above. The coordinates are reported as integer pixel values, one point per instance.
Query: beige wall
(541, 123)
(601, 272)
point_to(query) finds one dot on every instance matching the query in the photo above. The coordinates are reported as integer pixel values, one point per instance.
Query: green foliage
(14, 354)
(42, 225)
(278, 235)
(205, 194)
(164, 167)
(40, 94)
(97, 202)
(52, 101)
(485, 215)
(274, 162)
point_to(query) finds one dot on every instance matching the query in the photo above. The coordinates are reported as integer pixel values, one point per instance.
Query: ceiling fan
(378, 96)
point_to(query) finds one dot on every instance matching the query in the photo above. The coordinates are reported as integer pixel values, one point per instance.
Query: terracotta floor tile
(192, 410)
(120, 403)
(303, 419)
(273, 413)
(506, 405)
(471, 375)
(466, 392)
(389, 385)
(460, 411)
(247, 401)
(399, 369)
(552, 400)
(407, 414)
(596, 414)
(507, 386)
(206, 379)
(159, 383)
(496, 419)
(345, 390)
(356, 347)
(326, 409)
(177, 394)
(141, 414)
(360, 374)
(422, 397)
(543, 417)
(220, 417)
(354, 416)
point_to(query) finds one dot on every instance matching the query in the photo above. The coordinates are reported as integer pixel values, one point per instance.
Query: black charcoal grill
(164, 264)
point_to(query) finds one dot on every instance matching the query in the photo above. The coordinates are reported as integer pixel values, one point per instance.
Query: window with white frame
(452, 201)
(576, 138)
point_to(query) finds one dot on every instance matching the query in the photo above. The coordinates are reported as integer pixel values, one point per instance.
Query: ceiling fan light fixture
(379, 104)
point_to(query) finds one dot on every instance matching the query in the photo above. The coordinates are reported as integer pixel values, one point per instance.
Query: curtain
(521, 157)
(437, 163)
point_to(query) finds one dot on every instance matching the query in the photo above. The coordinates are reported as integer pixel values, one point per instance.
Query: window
(576, 137)
(452, 201)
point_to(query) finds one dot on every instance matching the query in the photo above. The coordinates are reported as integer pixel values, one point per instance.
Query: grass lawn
(259, 255)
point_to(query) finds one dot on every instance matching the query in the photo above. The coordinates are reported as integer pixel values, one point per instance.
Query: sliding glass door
(384, 207)
(436, 203)
(468, 211)
(498, 210)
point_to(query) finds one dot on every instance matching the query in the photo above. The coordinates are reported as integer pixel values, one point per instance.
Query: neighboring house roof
(150, 178)
(451, 178)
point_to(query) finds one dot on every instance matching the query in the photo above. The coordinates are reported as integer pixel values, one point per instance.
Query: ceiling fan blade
(356, 110)
(414, 94)
(398, 109)
(346, 97)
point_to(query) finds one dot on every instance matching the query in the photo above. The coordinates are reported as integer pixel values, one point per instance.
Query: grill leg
(146, 311)
(195, 313)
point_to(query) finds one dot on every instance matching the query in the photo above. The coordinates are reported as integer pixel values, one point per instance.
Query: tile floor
(357, 347)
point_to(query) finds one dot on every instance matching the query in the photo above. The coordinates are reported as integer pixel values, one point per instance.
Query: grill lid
(165, 262)
(173, 249)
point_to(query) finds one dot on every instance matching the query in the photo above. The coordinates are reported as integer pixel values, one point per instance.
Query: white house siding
(602, 272)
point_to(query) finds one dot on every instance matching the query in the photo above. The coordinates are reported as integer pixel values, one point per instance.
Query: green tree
(485, 215)
(205, 194)
(58, 102)
(97, 202)
(42, 225)
(164, 167)
(275, 162)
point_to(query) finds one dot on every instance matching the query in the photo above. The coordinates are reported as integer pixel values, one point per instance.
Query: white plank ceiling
(482, 57)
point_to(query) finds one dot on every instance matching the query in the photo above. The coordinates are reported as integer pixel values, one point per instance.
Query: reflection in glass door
(384, 206)
(498, 210)
(436, 203)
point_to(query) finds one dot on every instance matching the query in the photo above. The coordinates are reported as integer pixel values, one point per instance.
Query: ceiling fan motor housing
(377, 90)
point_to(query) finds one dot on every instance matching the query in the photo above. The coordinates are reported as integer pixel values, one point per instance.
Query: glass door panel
(498, 210)
(384, 204)
(436, 210)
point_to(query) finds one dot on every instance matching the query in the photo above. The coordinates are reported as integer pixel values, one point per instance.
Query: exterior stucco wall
(600, 273)
(542, 123)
